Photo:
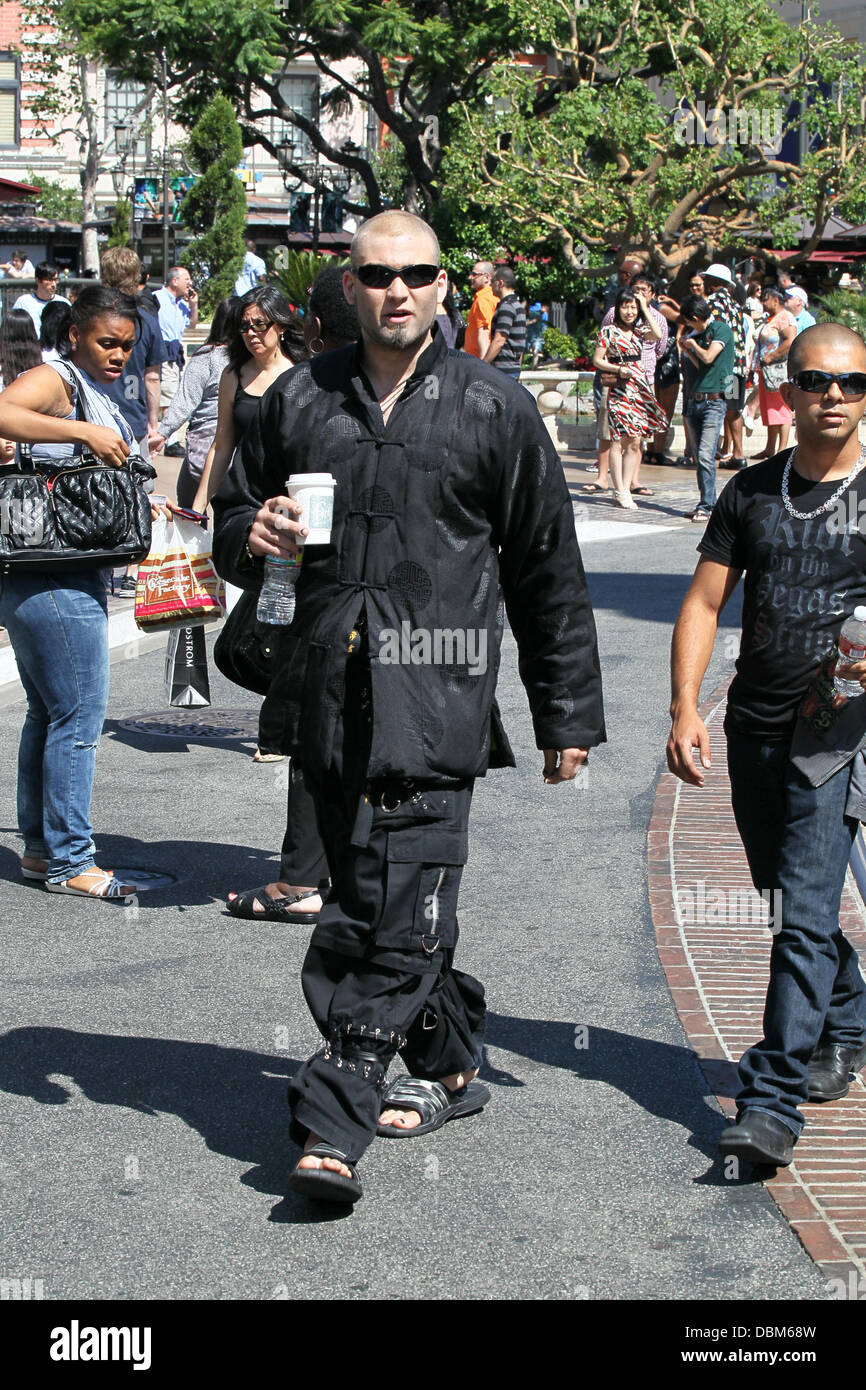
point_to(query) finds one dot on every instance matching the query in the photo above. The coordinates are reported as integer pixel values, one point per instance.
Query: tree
(54, 199)
(120, 227)
(414, 62)
(62, 100)
(661, 127)
(216, 205)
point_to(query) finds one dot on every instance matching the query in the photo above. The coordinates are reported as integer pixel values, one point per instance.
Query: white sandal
(106, 886)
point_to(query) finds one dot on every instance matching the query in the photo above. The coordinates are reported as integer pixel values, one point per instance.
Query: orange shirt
(484, 306)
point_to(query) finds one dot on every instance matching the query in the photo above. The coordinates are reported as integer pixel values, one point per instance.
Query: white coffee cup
(315, 492)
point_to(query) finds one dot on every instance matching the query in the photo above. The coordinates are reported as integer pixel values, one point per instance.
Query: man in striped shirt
(508, 329)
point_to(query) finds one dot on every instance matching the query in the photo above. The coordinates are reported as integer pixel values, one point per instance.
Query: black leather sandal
(432, 1101)
(323, 1184)
(275, 909)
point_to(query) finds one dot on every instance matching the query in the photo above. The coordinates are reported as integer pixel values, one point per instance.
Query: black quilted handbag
(81, 516)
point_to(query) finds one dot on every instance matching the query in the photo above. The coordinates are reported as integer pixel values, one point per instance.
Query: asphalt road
(144, 1053)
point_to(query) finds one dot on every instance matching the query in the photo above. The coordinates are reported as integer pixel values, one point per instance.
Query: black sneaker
(127, 587)
(174, 451)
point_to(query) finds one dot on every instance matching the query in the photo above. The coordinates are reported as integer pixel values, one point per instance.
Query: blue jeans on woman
(58, 627)
(798, 839)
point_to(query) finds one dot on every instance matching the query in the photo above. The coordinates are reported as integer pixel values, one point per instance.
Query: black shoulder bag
(78, 516)
(247, 651)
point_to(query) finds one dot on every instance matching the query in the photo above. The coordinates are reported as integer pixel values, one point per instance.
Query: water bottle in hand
(852, 647)
(277, 598)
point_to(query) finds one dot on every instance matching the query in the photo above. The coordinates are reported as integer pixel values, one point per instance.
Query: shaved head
(817, 339)
(390, 224)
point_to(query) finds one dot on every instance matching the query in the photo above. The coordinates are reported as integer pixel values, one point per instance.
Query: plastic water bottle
(852, 647)
(277, 598)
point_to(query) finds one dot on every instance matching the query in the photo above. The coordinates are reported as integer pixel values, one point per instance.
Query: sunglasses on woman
(260, 326)
(817, 383)
(379, 277)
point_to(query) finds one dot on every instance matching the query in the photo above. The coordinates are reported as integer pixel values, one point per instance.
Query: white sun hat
(719, 272)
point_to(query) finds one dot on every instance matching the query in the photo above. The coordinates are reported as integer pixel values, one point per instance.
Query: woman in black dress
(262, 335)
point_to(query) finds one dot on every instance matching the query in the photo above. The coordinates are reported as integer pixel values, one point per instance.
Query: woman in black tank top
(264, 341)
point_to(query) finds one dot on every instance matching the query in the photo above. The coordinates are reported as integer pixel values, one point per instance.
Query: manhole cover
(203, 723)
(144, 880)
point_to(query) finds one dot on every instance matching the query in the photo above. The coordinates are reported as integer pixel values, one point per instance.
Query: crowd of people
(721, 350)
(450, 502)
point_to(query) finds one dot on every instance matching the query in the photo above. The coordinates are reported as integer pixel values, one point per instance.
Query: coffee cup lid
(311, 480)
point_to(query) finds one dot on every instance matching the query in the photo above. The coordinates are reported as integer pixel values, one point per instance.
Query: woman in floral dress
(630, 411)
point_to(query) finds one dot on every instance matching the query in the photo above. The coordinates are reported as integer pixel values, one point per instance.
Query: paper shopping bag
(186, 676)
(177, 584)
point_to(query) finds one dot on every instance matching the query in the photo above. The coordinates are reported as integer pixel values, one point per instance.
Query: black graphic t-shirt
(802, 580)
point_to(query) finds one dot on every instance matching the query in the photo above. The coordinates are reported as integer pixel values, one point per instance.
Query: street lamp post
(312, 173)
(164, 165)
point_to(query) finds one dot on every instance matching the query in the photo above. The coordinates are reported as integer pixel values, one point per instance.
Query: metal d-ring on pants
(378, 974)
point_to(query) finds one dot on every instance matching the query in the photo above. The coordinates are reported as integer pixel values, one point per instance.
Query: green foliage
(589, 157)
(561, 345)
(295, 271)
(216, 205)
(119, 234)
(54, 199)
(430, 56)
(581, 152)
(843, 306)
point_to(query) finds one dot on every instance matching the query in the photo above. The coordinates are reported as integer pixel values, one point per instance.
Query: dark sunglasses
(817, 383)
(260, 326)
(379, 277)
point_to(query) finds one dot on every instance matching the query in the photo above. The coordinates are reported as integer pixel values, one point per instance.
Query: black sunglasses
(379, 277)
(817, 383)
(261, 326)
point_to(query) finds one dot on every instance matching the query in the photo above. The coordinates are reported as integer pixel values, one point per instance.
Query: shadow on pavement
(236, 1100)
(655, 598)
(206, 872)
(664, 1079)
(142, 741)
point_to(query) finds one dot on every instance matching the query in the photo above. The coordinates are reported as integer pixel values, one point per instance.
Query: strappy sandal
(594, 487)
(323, 1184)
(275, 909)
(433, 1102)
(105, 887)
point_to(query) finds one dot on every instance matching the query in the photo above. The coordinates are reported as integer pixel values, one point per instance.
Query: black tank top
(243, 410)
(245, 407)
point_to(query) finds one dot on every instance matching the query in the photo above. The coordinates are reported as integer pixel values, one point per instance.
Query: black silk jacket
(460, 493)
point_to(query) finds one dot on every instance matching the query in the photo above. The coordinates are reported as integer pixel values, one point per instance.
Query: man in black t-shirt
(778, 524)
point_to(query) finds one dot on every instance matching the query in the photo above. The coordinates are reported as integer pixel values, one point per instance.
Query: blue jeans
(706, 419)
(798, 839)
(58, 627)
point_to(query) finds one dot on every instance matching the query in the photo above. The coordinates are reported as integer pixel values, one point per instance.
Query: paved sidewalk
(717, 971)
(144, 1057)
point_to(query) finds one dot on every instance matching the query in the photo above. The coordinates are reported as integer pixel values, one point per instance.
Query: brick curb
(717, 975)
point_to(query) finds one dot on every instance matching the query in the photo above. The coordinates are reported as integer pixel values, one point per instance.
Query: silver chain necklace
(831, 501)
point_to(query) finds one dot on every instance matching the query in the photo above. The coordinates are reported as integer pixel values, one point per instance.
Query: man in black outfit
(447, 487)
(778, 524)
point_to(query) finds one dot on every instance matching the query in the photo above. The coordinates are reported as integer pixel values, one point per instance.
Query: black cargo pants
(378, 975)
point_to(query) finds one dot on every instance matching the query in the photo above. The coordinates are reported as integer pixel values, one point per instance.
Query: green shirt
(718, 376)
